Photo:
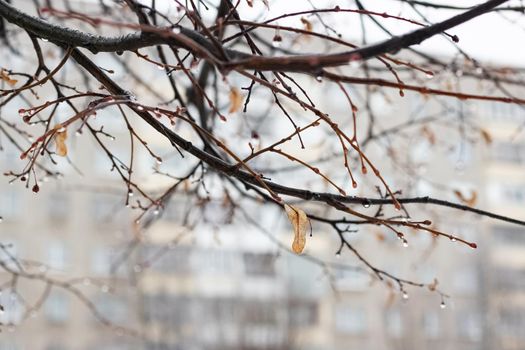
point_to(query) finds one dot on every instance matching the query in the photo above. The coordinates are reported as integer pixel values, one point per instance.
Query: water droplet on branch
(277, 41)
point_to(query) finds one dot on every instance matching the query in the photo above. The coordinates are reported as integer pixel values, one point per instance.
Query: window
(515, 194)
(507, 193)
(469, 326)
(501, 112)
(56, 308)
(178, 313)
(112, 308)
(512, 321)
(59, 207)
(303, 313)
(508, 152)
(350, 320)
(259, 312)
(509, 279)
(259, 264)
(508, 234)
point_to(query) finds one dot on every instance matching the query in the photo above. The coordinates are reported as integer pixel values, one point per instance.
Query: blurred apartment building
(236, 290)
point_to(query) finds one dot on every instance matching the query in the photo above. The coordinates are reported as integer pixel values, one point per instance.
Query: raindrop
(277, 41)
(338, 255)
(430, 75)
(405, 295)
(130, 193)
(160, 67)
(140, 108)
(44, 39)
(159, 161)
(366, 203)
(442, 305)
(453, 239)
(405, 243)
(176, 30)
(156, 212)
(319, 78)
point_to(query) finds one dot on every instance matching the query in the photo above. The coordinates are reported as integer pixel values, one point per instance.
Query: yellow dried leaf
(487, 137)
(307, 24)
(235, 100)
(380, 236)
(299, 222)
(60, 143)
(432, 286)
(468, 201)
(4, 75)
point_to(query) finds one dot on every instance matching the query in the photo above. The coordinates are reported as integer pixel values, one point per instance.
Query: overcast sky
(490, 38)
